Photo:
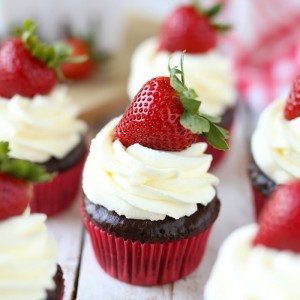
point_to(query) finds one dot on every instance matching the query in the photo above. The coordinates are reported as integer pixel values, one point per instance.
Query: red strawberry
(190, 28)
(21, 73)
(15, 195)
(153, 119)
(165, 116)
(27, 67)
(79, 70)
(15, 183)
(279, 222)
(292, 106)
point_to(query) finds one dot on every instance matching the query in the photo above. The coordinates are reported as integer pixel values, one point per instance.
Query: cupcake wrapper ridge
(146, 263)
(55, 196)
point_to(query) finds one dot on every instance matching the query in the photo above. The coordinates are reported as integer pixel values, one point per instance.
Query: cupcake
(208, 70)
(274, 147)
(28, 256)
(262, 261)
(149, 202)
(39, 120)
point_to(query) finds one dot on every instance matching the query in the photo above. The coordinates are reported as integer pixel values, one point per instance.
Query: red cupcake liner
(57, 195)
(259, 200)
(146, 263)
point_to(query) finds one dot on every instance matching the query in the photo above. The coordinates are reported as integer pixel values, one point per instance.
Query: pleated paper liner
(57, 195)
(145, 263)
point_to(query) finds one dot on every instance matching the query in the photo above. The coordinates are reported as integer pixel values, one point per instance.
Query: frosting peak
(42, 127)
(275, 144)
(27, 258)
(244, 272)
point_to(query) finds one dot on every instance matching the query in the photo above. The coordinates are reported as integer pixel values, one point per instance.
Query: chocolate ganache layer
(74, 156)
(166, 230)
(264, 184)
(57, 293)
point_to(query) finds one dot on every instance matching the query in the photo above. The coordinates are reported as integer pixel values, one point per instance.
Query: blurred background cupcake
(274, 146)
(194, 29)
(28, 264)
(261, 261)
(38, 119)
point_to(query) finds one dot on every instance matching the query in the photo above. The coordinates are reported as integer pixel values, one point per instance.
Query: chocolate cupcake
(139, 237)
(149, 200)
(45, 130)
(37, 117)
(274, 149)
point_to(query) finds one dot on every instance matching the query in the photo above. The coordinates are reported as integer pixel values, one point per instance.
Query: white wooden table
(84, 278)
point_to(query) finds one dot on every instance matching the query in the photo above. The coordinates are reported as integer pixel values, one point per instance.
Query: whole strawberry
(15, 183)
(28, 67)
(80, 70)
(191, 28)
(21, 73)
(279, 222)
(292, 107)
(164, 115)
(15, 195)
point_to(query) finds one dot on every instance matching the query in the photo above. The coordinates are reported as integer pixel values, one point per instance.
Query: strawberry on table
(16, 177)
(164, 115)
(292, 107)
(79, 70)
(191, 28)
(279, 222)
(28, 67)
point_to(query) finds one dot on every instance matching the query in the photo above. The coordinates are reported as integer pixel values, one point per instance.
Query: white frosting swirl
(42, 127)
(27, 258)
(209, 74)
(142, 183)
(244, 272)
(275, 144)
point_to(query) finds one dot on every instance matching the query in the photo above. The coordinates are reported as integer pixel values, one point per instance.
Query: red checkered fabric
(265, 45)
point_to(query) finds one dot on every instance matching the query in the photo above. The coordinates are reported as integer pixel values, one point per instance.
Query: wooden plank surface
(67, 229)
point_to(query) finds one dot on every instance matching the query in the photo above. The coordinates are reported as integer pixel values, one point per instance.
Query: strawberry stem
(192, 119)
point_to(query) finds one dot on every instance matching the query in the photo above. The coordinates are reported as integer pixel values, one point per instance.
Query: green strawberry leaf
(4, 149)
(191, 118)
(197, 125)
(51, 55)
(216, 138)
(211, 118)
(211, 13)
(21, 168)
(214, 10)
(222, 27)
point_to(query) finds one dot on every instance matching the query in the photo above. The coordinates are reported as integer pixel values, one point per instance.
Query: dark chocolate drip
(56, 294)
(74, 156)
(166, 230)
(264, 184)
